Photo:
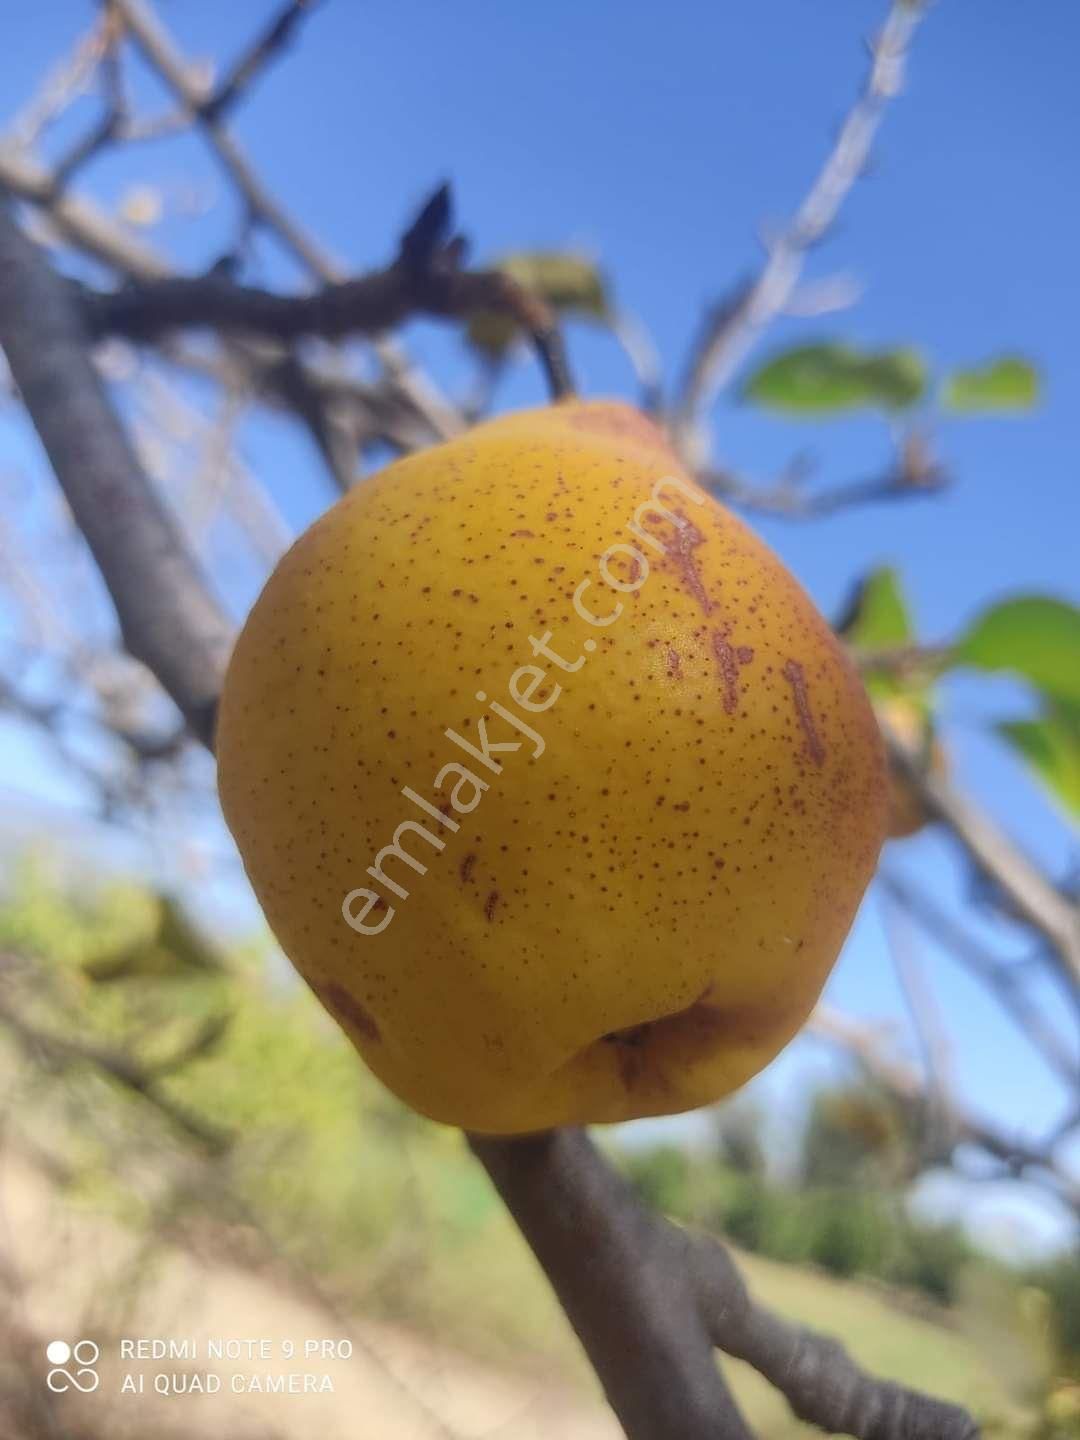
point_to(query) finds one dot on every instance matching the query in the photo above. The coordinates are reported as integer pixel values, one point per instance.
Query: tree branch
(1034, 898)
(646, 1340)
(733, 326)
(425, 278)
(157, 588)
(1000, 977)
(822, 1383)
(670, 1297)
(260, 204)
(913, 474)
(125, 1071)
(264, 50)
(1017, 1155)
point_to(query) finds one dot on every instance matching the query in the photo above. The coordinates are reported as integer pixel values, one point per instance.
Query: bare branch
(1019, 1156)
(672, 1296)
(80, 221)
(646, 1339)
(265, 49)
(732, 329)
(425, 278)
(156, 585)
(913, 474)
(1000, 977)
(926, 1019)
(822, 1383)
(383, 411)
(1035, 899)
(64, 83)
(152, 39)
(261, 205)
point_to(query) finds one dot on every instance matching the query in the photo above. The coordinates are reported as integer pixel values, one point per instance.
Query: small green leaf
(877, 614)
(1006, 384)
(829, 378)
(1037, 636)
(877, 617)
(571, 285)
(1051, 746)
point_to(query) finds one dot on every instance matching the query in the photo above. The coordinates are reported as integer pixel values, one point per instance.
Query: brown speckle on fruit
(796, 678)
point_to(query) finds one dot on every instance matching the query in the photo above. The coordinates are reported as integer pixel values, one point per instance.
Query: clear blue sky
(661, 139)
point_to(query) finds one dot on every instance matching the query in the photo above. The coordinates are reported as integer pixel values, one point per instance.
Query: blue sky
(661, 140)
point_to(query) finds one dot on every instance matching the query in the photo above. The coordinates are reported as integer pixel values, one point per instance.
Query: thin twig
(926, 1019)
(790, 500)
(732, 329)
(259, 203)
(999, 976)
(425, 278)
(1017, 1155)
(266, 48)
(1035, 899)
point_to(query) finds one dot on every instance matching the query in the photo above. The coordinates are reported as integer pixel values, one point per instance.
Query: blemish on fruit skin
(794, 674)
(674, 663)
(687, 538)
(728, 664)
(490, 904)
(465, 869)
(338, 999)
(729, 659)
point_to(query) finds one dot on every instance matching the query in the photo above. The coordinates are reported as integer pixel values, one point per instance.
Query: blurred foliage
(324, 1170)
(877, 614)
(1007, 383)
(1051, 747)
(832, 377)
(572, 285)
(1034, 636)
(847, 1230)
(858, 1135)
(328, 1179)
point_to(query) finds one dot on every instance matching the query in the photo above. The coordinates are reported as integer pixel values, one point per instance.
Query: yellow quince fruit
(551, 780)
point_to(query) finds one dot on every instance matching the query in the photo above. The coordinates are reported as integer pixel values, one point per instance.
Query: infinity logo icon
(85, 1355)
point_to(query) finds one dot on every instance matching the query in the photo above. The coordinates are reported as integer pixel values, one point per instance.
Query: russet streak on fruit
(640, 909)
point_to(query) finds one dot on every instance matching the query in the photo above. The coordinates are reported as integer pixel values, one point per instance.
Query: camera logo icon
(80, 1358)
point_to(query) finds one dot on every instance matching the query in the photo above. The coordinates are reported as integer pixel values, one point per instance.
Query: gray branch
(159, 592)
(732, 328)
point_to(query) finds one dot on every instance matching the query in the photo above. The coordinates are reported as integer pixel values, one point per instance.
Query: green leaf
(1051, 746)
(1006, 384)
(878, 614)
(571, 284)
(829, 378)
(1036, 636)
(877, 618)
